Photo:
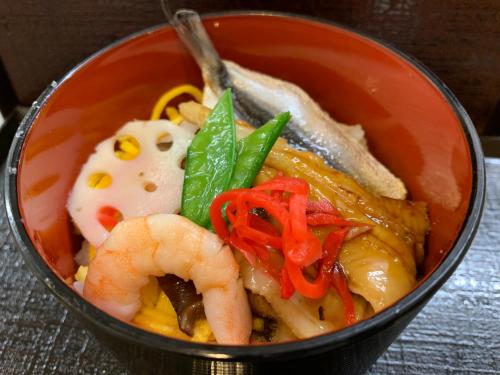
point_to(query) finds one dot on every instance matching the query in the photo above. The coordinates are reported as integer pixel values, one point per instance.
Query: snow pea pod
(253, 150)
(210, 162)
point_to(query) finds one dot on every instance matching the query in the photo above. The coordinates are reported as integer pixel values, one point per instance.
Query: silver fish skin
(258, 97)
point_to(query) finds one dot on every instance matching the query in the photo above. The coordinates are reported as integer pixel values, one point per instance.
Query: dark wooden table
(456, 333)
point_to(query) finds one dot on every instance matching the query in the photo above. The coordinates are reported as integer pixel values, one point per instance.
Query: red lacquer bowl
(414, 125)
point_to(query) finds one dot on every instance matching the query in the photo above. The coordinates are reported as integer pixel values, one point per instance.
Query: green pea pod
(210, 162)
(253, 150)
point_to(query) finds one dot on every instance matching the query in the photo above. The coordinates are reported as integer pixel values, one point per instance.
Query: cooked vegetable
(353, 202)
(253, 150)
(187, 304)
(395, 228)
(210, 162)
(380, 264)
(135, 172)
(317, 252)
(287, 203)
(406, 220)
(158, 315)
(299, 313)
(375, 271)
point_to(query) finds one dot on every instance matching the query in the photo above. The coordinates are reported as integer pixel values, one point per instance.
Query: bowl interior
(410, 125)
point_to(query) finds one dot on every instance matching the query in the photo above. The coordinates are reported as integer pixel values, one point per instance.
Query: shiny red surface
(410, 126)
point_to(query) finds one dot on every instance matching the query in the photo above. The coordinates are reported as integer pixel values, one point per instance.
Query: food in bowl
(279, 243)
(413, 124)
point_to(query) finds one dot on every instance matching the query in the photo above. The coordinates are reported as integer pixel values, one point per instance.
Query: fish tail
(191, 31)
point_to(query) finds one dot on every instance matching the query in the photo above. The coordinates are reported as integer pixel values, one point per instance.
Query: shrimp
(162, 244)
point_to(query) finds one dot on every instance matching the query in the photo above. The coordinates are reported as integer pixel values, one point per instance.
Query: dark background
(458, 39)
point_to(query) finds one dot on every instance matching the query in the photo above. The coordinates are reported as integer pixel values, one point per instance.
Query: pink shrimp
(162, 244)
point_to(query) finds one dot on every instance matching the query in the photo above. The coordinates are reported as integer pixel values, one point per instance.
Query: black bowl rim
(413, 301)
